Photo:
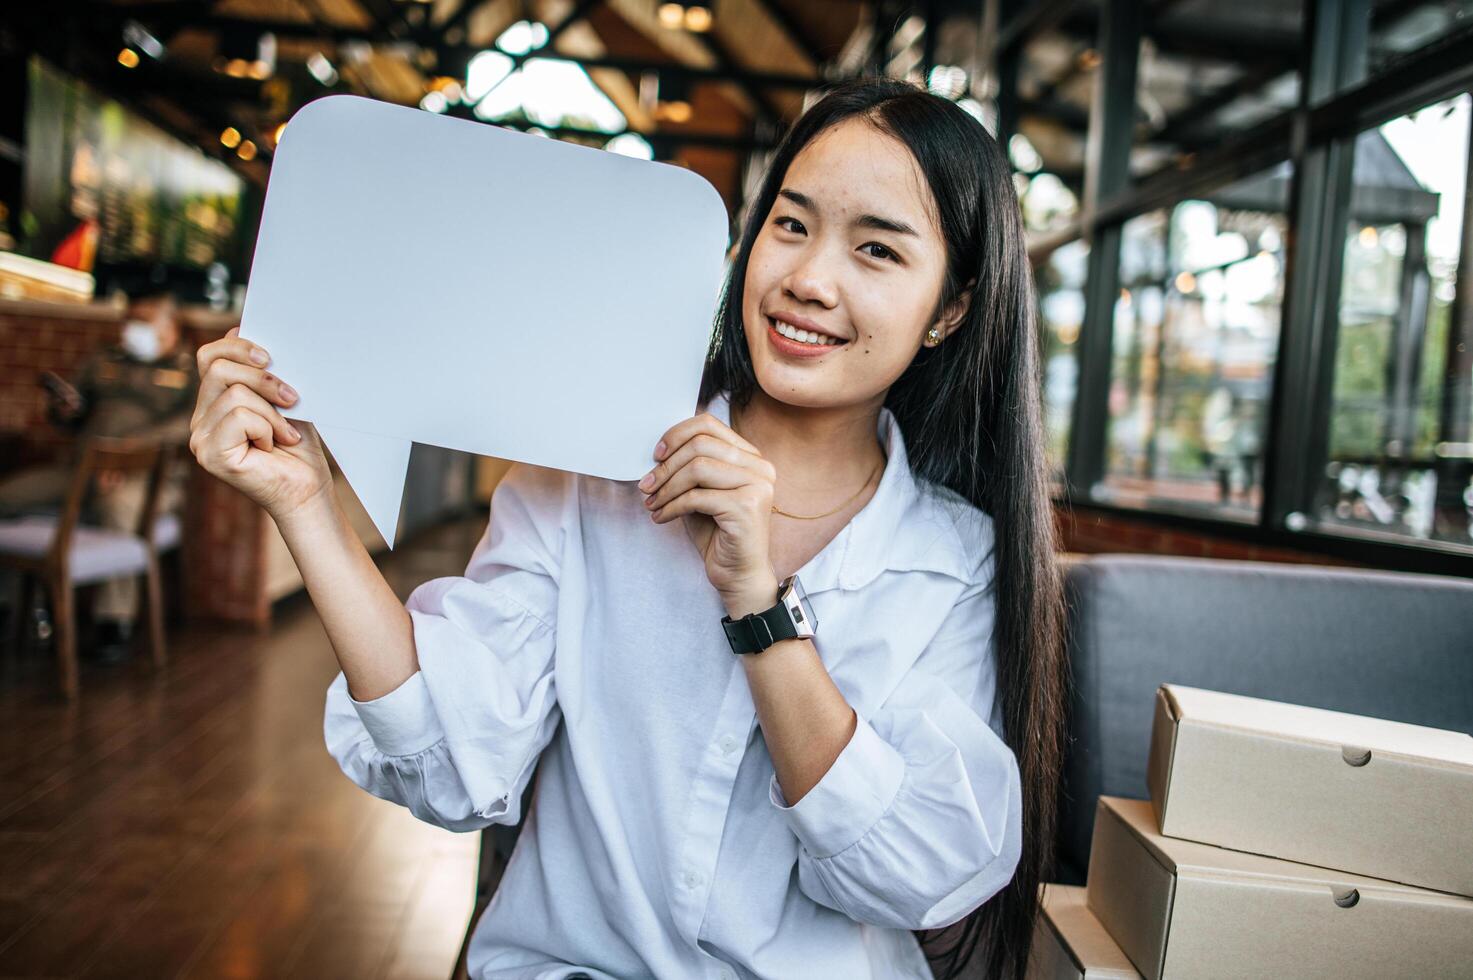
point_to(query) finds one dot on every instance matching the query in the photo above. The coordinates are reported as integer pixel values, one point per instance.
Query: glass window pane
(1399, 456)
(1196, 328)
(1060, 282)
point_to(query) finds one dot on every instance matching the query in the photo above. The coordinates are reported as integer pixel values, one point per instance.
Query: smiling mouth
(806, 337)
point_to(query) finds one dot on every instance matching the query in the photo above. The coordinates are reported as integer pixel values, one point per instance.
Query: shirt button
(727, 975)
(692, 880)
(728, 745)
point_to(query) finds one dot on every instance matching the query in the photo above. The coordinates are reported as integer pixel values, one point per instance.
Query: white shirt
(660, 844)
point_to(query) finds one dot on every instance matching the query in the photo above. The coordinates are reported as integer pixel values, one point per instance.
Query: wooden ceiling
(394, 49)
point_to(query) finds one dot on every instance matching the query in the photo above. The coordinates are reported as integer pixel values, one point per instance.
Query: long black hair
(969, 412)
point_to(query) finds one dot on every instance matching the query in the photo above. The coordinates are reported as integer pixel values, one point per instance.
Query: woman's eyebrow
(863, 221)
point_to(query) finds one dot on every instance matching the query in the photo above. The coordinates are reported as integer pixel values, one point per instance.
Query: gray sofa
(1387, 644)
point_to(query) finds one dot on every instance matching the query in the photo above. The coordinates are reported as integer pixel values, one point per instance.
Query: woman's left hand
(719, 485)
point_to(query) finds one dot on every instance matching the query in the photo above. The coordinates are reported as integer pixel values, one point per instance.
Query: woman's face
(852, 246)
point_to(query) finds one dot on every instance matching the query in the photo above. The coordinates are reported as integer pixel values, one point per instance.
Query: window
(1060, 283)
(1196, 329)
(1395, 434)
(1164, 328)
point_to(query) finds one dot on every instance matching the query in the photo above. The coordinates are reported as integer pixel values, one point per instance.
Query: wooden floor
(192, 824)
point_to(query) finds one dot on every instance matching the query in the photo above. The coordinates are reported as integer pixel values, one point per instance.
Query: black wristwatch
(792, 616)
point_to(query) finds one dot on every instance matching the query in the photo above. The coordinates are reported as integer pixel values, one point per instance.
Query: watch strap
(757, 631)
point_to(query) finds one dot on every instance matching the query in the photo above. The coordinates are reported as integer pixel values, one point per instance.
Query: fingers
(228, 442)
(685, 429)
(720, 504)
(702, 471)
(234, 348)
(705, 444)
(239, 397)
(224, 373)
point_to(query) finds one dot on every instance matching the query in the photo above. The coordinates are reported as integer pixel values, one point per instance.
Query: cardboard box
(1070, 944)
(1374, 797)
(1181, 909)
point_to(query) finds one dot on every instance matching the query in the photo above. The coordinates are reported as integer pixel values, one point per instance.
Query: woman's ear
(956, 311)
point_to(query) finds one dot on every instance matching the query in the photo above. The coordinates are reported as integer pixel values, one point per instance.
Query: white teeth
(803, 336)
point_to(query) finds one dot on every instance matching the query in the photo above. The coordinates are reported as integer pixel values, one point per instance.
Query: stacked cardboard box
(1282, 841)
(1070, 944)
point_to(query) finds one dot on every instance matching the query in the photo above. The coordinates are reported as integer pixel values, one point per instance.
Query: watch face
(799, 607)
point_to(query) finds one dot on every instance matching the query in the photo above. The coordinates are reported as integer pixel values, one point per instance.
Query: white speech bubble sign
(419, 278)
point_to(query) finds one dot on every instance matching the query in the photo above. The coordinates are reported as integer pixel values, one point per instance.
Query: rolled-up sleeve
(456, 743)
(918, 821)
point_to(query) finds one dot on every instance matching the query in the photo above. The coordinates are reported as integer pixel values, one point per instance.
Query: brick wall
(37, 337)
(223, 546)
(224, 554)
(1089, 531)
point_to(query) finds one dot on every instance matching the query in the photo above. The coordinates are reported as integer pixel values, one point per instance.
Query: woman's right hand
(239, 435)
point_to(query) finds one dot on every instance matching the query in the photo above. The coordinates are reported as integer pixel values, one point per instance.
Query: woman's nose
(810, 284)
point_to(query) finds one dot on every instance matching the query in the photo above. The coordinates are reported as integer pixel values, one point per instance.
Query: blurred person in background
(1230, 442)
(144, 386)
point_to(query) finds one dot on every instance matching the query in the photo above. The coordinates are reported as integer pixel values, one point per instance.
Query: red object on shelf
(78, 249)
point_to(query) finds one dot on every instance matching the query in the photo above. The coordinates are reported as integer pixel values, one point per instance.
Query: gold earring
(934, 336)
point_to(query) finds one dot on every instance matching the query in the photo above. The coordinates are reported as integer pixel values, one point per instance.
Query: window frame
(1337, 102)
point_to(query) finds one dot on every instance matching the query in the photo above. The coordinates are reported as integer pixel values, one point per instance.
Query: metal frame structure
(1337, 102)
(81, 20)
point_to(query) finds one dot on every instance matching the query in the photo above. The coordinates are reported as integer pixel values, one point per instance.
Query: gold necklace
(778, 510)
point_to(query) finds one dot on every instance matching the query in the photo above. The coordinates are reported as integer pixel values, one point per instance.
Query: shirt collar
(904, 526)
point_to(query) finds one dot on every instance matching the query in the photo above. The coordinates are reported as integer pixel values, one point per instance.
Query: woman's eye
(795, 221)
(888, 254)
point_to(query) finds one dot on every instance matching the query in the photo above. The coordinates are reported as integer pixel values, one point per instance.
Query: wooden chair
(62, 553)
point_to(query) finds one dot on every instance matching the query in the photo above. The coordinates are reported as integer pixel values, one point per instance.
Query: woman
(894, 772)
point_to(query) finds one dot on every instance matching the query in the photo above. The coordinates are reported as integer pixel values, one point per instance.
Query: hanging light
(246, 150)
(666, 96)
(449, 87)
(322, 70)
(698, 16)
(691, 15)
(138, 43)
(230, 137)
(244, 53)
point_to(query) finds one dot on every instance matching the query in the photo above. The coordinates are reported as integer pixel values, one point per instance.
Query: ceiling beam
(1216, 39)
(779, 15)
(768, 111)
(761, 79)
(1033, 19)
(720, 141)
(459, 18)
(1189, 124)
